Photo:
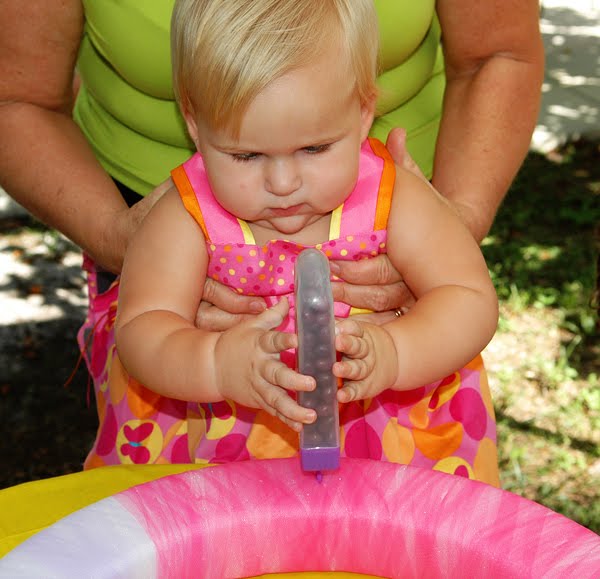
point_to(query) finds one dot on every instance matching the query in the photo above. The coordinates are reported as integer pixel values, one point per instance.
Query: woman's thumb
(396, 145)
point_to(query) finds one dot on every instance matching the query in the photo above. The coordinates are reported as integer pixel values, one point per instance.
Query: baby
(279, 96)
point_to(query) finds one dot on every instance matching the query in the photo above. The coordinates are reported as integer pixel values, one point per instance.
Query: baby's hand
(251, 373)
(369, 364)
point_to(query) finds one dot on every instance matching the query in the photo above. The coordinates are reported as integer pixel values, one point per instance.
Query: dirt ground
(45, 426)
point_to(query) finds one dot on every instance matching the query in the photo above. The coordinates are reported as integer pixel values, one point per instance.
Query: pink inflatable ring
(257, 517)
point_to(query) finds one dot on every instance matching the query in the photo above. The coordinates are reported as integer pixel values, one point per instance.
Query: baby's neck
(317, 232)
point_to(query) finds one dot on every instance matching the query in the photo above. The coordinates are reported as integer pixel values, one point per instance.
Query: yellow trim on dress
(246, 232)
(335, 224)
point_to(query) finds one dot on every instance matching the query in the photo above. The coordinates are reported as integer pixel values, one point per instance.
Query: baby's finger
(351, 346)
(350, 392)
(279, 403)
(277, 373)
(349, 326)
(276, 342)
(351, 369)
(274, 316)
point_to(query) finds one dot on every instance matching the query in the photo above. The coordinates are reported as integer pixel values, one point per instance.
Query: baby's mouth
(287, 212)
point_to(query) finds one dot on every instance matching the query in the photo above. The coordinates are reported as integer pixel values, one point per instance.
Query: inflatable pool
(252, 518)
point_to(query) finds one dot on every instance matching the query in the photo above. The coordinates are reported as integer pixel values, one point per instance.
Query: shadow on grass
(543, 248)
(557, 438)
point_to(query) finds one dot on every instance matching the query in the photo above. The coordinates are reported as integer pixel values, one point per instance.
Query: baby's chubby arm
(159, 344)
(456, 309)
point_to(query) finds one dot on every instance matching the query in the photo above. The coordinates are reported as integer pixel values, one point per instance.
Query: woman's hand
(374, 284)
(221, 308)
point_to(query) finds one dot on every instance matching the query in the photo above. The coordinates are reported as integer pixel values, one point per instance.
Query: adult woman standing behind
(126, 127)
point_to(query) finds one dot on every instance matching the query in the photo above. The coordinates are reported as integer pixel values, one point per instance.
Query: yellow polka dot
(261, 263)
(231, 272)
(398, 444)
(227, 248)
(213, 247)
(344, 252)
(270, 268)
(382, 244)
(239, 290)
(374, 252)
(243, 280)
(271, 279)
(223, 260)
(318, 246)
(280, 281)
(350, 238)
(281, 257)
(252, 252)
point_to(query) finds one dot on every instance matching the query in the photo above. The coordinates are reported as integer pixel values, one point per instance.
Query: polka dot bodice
(268, 271)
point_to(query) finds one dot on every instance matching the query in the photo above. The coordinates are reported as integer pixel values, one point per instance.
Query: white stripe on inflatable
(121, 548)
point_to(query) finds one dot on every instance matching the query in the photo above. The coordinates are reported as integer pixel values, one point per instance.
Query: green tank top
(127, 110)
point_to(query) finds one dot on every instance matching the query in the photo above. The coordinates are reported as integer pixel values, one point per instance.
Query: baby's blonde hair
(225, 52)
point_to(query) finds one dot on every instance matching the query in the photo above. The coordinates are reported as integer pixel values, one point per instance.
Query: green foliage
(543, 257)
(543, 249)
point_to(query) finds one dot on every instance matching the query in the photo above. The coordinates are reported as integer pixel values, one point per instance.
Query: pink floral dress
(448, 425)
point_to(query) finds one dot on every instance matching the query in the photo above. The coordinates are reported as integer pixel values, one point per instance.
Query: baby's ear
(367, 114)
(192, 125)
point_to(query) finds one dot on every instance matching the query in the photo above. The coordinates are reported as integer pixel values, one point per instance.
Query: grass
(544, 361)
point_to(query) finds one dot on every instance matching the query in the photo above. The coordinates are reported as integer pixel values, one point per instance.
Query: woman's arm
(494, 61)
(494, 70)
(46, 163)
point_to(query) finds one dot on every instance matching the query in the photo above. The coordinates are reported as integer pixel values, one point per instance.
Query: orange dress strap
(186, 191)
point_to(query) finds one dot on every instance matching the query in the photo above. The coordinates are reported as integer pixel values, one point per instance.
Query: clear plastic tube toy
(315, 324)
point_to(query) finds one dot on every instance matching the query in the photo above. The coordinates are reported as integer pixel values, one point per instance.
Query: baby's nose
(282, 176)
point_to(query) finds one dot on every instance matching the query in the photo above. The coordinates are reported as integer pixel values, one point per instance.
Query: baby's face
(296, 157)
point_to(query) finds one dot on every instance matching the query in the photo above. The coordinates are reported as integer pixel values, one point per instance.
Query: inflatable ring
(257, 517)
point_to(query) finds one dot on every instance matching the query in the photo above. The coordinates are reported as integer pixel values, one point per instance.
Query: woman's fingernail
(258, 307)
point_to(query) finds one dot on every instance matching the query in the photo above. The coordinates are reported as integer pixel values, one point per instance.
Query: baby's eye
(244, 157)
(316, 149)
